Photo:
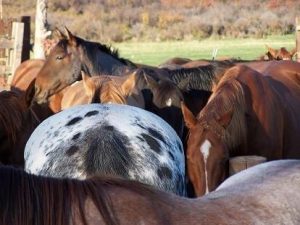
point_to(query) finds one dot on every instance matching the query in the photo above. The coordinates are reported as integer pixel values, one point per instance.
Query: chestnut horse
(247, 114)
(264, 194)
(174, 63)
(278, 54)
(17, 122)
(137, 89)
(25, 73)
(104, 89)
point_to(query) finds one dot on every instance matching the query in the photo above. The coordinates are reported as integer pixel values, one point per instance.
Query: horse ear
(153, 84)
(225, 119)
(71, 38)
(29, 94)
(58, 35)
(189, 118)
(88, 84)
(129, 84)
(273, 52)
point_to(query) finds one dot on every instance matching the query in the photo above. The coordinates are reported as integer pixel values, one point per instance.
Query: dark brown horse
(247, 114)
(264, 194)
(69, 57)
(73, 54)
(17, 121)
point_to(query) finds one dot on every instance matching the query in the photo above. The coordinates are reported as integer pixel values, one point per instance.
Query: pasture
(154, 53)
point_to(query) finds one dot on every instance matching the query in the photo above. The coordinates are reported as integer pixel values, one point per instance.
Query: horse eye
(59, 57)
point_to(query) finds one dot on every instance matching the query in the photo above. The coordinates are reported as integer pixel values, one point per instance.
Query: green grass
(154, 53)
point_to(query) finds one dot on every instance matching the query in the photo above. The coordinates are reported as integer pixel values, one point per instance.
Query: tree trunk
(40, 29)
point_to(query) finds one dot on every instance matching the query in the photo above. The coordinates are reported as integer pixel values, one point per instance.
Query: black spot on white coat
(74, 121)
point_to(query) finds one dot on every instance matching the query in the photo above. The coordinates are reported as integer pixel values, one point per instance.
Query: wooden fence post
(16, 56)
(26, 38)
(298, 39)
(14, 47)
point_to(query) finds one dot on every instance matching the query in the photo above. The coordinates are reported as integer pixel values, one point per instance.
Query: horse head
(71, 55)
(62, 68)
(207, 153)
(216, 132)
(113, 89)
(280, 54)
(165, 101)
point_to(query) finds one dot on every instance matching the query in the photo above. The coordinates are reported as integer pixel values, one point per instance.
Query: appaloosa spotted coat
(117, 140)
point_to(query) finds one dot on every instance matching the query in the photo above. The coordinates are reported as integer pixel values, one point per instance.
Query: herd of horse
(102, 140)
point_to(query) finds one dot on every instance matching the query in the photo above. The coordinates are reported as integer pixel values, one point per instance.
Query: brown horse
(247, 114)
(72, 54)
(278, 54)
(17, 121)
(104, 89)
(161, 97)
(254, 196)
(25, 73)
(174, 63)
(69, 57)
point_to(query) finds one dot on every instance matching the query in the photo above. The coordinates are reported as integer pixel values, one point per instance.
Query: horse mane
(11, 113)
(108, 49)
(202, 77)
(107, 91)
(228, 96)
(57, 201)
(113, 52)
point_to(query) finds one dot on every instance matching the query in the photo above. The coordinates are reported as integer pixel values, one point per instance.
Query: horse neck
(225, 100)
(110, 93)
(96, 62)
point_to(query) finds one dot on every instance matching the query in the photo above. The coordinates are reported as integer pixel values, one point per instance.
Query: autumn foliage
(154, 20)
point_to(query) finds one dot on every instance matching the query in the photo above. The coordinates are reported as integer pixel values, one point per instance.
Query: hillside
(150, 20)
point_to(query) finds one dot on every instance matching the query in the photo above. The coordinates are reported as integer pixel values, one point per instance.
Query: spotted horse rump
(109, 140)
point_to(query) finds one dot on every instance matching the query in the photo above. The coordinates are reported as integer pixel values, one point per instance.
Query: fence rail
(11, 47)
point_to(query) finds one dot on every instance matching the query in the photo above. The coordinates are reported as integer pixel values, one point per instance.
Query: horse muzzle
(40, 97)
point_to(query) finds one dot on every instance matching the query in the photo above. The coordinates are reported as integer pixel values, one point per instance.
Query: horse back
(274, 100)
(25, 73)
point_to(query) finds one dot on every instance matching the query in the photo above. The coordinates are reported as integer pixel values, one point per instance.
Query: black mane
(108, 49)
(200, 78)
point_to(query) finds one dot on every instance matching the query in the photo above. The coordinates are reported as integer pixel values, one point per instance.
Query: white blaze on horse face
(169, 102)
(204, 149)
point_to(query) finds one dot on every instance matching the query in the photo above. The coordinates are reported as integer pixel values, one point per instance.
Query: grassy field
(154, 53)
